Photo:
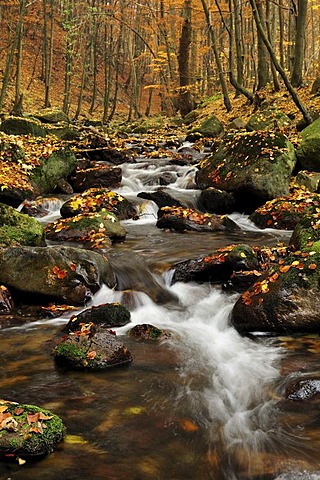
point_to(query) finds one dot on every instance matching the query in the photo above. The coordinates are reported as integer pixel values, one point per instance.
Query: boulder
(181, 219)
(268, 119)
(217, 267)
(255, 167)
(161, 199)
(287, 300)
(92, 229)
(100, 176)
(56, 167)
(148, 332)
(106, 154)
(307, 232)
(285, 212)
(91, 349)
(210, 127)
(309, 180)
(108, 315)
(22, 126)
(217, 201)
(308, 152)
(68, 274)
(51, 115)
(97, 199)
(28, 430)
(18, 228)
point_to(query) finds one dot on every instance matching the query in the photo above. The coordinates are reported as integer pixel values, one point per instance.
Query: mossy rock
(90, 228)
(52, 115)
(268, 119)
(28, 430)
(255, 166)
(63, 132)
(22, 126)
(96, 200)
(68, 274)
(19, 229)
(306, 232)
(108, 315)
(148, 332)
(218, 266)
(310, 180)
(58, 166)
(285, 212)
(285, 301)
(10, 151)
(210, 127)
(308, 152)
(181, 219)
(91, 349)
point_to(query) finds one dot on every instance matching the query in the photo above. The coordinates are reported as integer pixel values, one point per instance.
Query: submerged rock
(304, 389)
(90, 348)
(108, 315)
(148, 332)
(68, 274)
(28, 430)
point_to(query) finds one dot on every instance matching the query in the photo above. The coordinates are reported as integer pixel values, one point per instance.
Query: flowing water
(205, 404)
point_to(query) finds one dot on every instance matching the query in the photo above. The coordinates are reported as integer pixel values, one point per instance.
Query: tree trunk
(263, 60)
(295, 97)
(17, 107)
(296, 77)
(222, 79)
(186, 101)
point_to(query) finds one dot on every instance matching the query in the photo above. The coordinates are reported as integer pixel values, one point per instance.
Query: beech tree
(301, 20)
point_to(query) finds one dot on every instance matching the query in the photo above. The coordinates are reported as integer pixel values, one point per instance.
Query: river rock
(99, 176)
(268, 119)
(108, 315)
(285, 212)
(287, 300)
(161, 198)
(217, 267)
(210, 127)
(181, 219)
(91, 349)
(255, 167)
(19, 229)
(6, 302)
(217, 201)
(308, 152)
(148, 332)
(28, 430)
(310, 180)
(68, 274)
(107, 154)
(307, 232)
(97, 199)
(56, 167)
(93, 229)
(303, 389)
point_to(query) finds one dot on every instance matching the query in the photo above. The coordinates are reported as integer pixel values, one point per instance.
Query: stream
(205, 404)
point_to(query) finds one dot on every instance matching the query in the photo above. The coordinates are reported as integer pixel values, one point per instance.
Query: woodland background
(101, 57)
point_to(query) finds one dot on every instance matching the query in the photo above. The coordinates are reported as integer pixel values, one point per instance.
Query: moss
(18, 228)
(27, 439)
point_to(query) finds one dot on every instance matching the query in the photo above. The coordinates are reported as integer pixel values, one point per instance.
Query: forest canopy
(103, 56)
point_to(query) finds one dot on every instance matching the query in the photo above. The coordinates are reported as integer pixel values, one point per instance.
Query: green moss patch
(28, 430)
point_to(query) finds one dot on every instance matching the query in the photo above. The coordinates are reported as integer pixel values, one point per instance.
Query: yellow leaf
(75, 439)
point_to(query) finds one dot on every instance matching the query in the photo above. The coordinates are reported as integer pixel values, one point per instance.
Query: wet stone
(108, 315)
(148, 332)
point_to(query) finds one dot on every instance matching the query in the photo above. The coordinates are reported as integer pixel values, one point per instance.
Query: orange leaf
(18, 411)
(33, 417)
(73, 266)
(285, 268)
(312, 266)
(92, 355)
(62, 273)
(189, 426)
(56, 269)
